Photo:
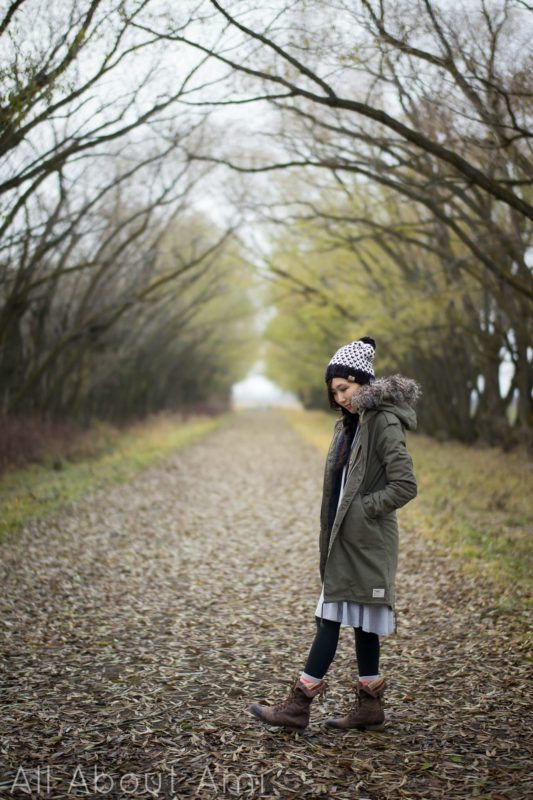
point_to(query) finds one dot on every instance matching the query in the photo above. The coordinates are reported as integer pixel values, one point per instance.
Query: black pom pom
(368, 340)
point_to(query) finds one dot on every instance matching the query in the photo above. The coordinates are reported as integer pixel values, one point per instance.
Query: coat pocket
(359, 528)
(365, 508)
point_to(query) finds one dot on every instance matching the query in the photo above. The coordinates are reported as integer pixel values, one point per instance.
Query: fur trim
(391, 389)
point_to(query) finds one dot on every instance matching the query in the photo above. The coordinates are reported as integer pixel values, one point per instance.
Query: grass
(105, 457)
(473, 500)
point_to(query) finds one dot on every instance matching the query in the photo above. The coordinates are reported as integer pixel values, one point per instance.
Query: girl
(368, 475)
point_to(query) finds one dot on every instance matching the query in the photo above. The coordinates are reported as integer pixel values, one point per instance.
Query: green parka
(359, 558)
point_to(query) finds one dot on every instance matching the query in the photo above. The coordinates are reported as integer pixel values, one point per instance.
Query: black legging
(324, 647)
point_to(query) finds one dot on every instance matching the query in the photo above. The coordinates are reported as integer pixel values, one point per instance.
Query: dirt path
(137, 626)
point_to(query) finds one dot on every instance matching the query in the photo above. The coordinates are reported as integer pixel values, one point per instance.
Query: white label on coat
(378, 592)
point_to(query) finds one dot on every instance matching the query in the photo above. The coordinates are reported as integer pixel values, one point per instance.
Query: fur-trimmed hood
(392, 393)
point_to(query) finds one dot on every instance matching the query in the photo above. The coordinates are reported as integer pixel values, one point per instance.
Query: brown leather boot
(368, 712)
(293, 712)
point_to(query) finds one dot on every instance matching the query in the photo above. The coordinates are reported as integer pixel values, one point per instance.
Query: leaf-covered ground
(138, 625)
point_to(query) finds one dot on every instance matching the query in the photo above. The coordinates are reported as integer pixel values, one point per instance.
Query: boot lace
(279, 706)
(356, 705)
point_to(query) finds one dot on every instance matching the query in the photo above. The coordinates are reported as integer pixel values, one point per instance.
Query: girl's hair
(349, 424)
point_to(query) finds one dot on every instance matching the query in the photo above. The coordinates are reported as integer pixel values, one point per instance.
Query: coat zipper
(358, 452)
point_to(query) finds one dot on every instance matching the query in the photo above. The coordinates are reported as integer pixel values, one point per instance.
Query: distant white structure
(256, 391)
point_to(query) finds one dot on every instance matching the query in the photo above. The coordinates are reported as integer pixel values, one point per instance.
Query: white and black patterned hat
(356, 359)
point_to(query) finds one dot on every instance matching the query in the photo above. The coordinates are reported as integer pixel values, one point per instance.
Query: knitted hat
(356, 359)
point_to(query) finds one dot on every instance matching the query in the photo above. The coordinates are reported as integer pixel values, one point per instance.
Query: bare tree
(260, 56)
(432, 103)
(95, 175)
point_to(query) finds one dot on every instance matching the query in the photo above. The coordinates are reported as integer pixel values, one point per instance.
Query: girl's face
(343, 389)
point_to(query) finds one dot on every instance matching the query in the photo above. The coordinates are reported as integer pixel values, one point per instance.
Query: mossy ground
(105, 456)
